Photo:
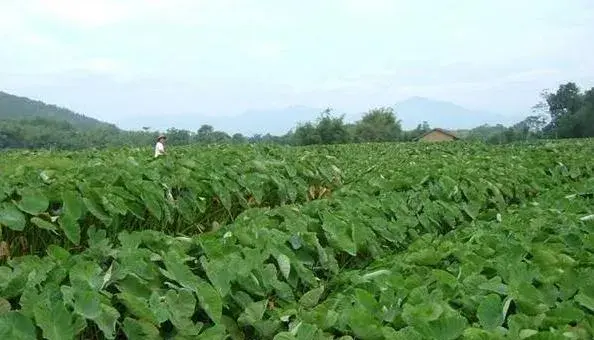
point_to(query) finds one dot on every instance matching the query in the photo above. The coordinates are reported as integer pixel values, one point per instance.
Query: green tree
(378, 125)
(238, 138)
(306, 134)
(570, 110)
(331, 129)
(178, 137)
(204, 134)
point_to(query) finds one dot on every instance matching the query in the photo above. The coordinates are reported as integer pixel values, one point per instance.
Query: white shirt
(159, 149)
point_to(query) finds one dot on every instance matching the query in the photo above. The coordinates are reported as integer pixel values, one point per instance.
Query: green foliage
(571, 112)
(327, 130)
(458, 241)
(378, 125)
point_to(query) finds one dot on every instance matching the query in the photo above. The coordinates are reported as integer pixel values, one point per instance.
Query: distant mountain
(274, 121)
(442, 114)
(15, 108)
(411, 112)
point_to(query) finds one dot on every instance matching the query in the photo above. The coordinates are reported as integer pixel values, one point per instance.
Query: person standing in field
(160, 146)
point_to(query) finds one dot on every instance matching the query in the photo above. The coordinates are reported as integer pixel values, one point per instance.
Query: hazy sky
(116, 58)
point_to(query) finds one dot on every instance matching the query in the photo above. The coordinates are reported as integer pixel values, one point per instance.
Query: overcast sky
(116, 58)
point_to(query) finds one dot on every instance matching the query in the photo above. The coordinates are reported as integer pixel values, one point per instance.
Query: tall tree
(204, 134)
(378, 125)
(306, 134)
(570, 111)
(332, 129)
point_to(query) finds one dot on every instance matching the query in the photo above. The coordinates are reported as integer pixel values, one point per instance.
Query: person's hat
(161, 137)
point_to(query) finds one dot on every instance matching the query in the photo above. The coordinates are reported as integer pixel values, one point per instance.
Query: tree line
(567, 112)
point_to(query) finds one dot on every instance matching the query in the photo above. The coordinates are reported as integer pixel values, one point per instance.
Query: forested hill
(21, 108)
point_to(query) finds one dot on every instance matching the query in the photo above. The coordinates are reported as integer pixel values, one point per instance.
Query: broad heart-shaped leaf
(307, 331)
(209, 298)
(73, 204)
(585, 300)
(140, 330)
(71, 228)
(284, 336)
(215, 332)
(106, 321)
(33, 202)
(363, 324)
(339, 234)
(444, 328)
(284, 263)
(177, 270)
(56, 322)
(424, 312)
(489, 312)
(253, 313)
(210, 301)
(87, 303)
(12, 217)
(43, 224)
(222, 193)
(406, 333)
(151, 202)
(97, 210)
(16, 326)
(86, 273)
(312, 297)
(137, 306)
(180, 308)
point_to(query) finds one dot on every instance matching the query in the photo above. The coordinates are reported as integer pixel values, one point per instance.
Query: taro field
(407, 241)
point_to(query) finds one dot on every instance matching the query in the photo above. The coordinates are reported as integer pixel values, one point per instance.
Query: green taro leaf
(152, 204)
(490, 313)
(210, 301)
(284, 336)
(424, 312)
(284, 264)
(140, 330)
(71, 228)
(73, 204)
(106, 321)
(87, 303)
(444, 328)
(87, 274)
(16, 326)
(253, 313)
(12, 217)
(33, 202)
(406, 333)
(585, 300)
(180, 306)
(340, 233)
(215, 332)
(137, 306)
(97, 210)
(43, 224)
(312, 297)
(56, 322)
(209, 298)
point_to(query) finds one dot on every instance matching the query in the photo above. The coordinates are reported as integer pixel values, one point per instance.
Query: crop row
(179, 194)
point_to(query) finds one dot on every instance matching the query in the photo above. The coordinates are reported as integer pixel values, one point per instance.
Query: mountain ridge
(14, 107)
